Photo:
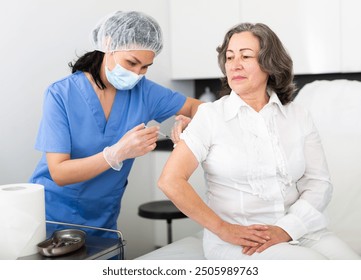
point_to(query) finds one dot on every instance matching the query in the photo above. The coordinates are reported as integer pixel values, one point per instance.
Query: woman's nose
(237, 63)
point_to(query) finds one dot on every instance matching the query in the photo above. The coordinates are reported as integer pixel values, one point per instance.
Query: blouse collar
(233, 103)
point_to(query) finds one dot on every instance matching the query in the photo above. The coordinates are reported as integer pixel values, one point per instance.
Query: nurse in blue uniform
(93, 124)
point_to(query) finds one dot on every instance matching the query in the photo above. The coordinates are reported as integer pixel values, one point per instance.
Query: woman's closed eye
(246, 56)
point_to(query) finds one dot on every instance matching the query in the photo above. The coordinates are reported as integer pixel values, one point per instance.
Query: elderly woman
(266, 173)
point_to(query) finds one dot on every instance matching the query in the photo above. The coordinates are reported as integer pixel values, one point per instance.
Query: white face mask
(122, 78)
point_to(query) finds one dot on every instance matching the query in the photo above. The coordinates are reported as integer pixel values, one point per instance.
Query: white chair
(336, 110)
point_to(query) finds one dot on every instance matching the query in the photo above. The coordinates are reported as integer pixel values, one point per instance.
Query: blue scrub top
(74, 123)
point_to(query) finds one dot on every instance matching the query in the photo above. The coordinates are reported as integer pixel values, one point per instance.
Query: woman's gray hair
(272, 58)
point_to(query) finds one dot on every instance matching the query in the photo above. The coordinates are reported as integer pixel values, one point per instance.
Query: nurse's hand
(277, 235)
(136, 142)
(249, 236)
(178, 127)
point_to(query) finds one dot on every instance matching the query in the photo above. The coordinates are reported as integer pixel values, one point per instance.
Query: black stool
(161, 209)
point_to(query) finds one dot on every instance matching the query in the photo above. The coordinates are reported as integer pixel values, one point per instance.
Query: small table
(161, 209)
(95, 247)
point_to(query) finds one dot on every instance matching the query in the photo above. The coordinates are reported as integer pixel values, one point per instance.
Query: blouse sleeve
(315, 189)
(198, 133)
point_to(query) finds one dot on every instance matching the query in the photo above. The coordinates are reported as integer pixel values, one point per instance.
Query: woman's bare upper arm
(181, 162)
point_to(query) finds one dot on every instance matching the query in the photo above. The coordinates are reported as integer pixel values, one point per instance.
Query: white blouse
(264, 167)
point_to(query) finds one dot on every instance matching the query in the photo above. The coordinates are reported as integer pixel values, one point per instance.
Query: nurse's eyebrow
(138, 61)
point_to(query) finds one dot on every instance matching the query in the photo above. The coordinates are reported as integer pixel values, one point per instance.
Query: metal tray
(62, 242)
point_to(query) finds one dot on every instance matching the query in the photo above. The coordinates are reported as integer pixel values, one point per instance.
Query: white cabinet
(197, 28)
(321, 36)
(350, 35)
(309, 30)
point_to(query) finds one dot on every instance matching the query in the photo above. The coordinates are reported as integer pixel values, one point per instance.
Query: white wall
(39, 38)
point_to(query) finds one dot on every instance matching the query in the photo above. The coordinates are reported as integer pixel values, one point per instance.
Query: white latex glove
(136, 142)
(178, 127)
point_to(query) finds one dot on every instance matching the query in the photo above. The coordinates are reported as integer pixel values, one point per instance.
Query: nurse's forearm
(194, 108)
(65, 171)
(190, 107)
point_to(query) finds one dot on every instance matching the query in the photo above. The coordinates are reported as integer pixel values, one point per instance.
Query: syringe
(160, 133)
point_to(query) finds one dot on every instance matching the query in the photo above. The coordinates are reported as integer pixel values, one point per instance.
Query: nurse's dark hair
(90, 62)
(272, 58)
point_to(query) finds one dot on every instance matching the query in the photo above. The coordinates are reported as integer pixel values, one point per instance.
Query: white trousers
(328, 247)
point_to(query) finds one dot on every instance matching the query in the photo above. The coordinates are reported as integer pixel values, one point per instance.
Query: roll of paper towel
(22, 219)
